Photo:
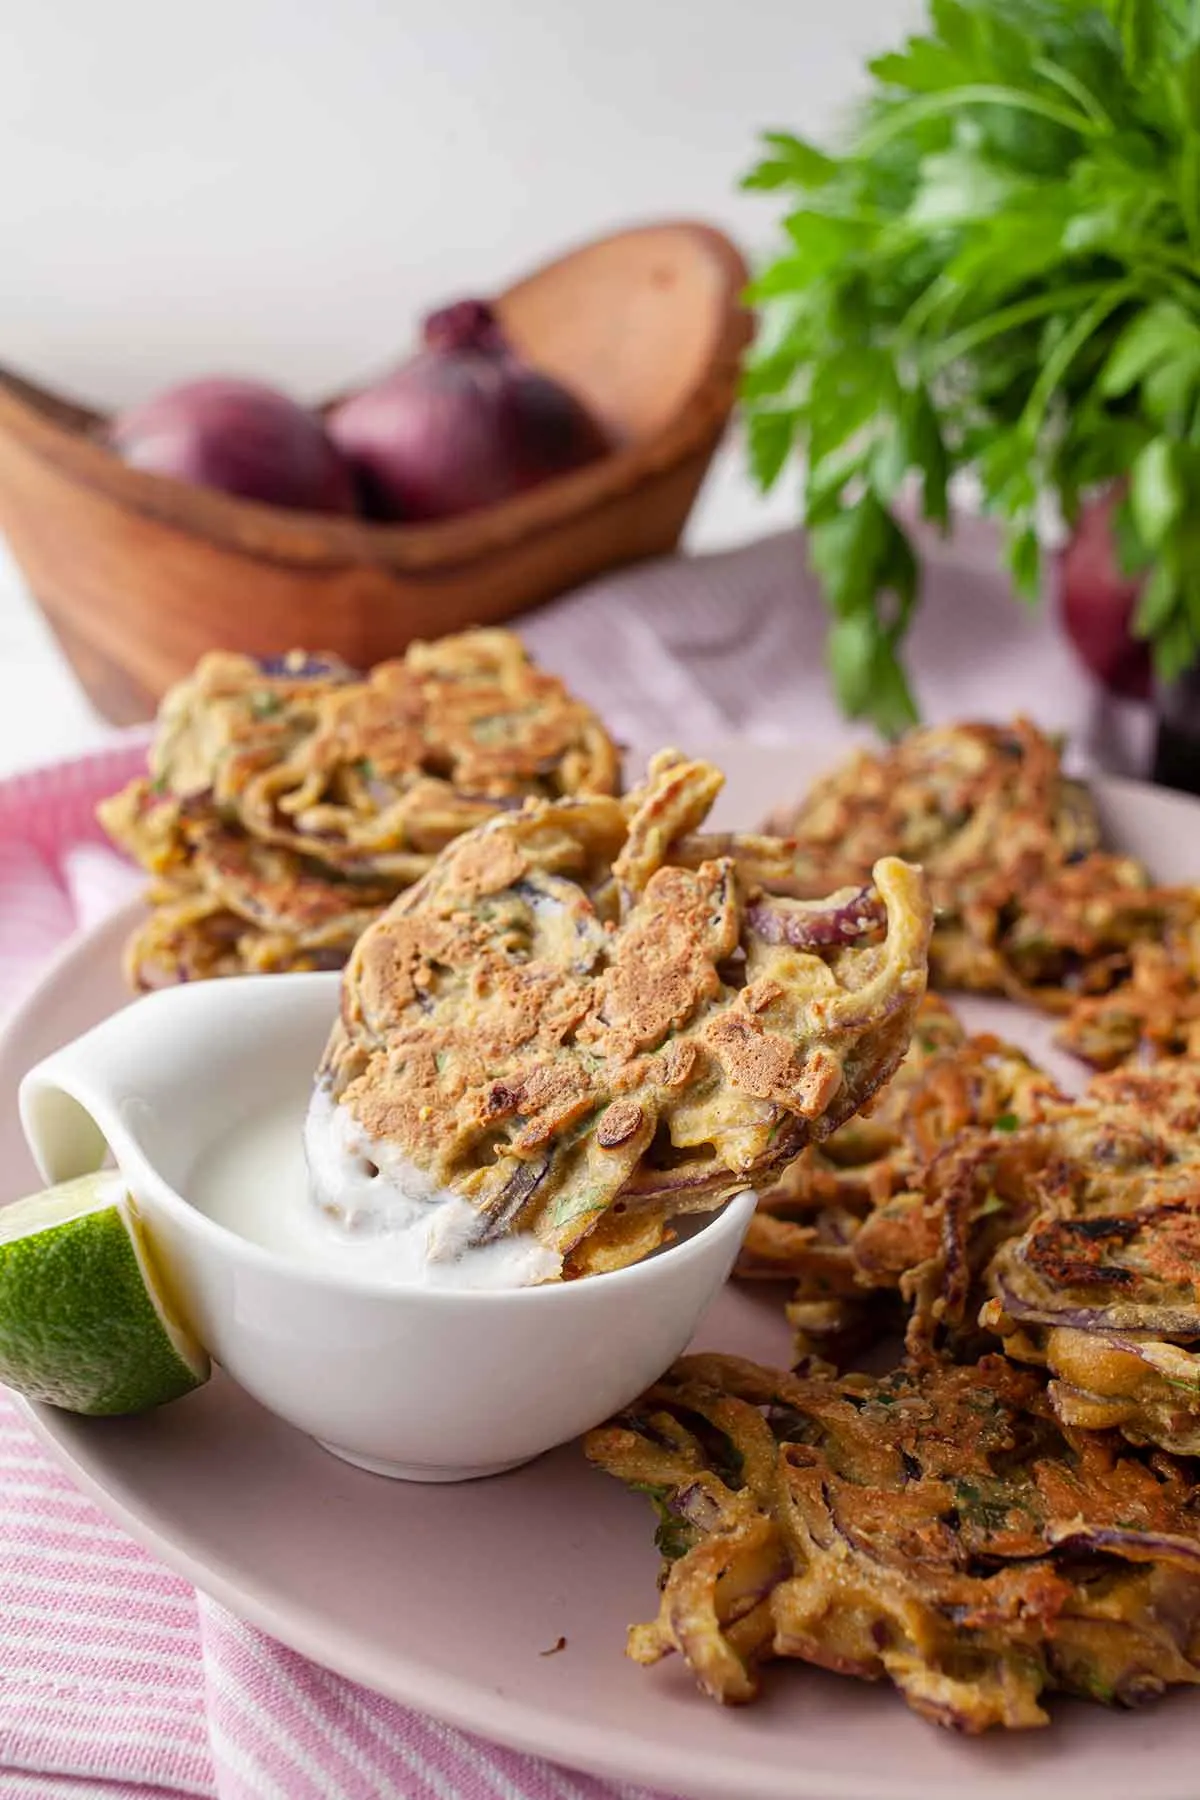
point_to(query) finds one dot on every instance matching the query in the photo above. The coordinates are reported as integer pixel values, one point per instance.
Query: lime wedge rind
(85, 1322)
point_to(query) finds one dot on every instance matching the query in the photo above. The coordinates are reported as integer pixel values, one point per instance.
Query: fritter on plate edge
(938, 1527)
(1027, 902)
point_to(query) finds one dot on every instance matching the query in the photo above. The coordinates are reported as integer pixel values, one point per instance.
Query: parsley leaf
(674, 1535)
(997, 272)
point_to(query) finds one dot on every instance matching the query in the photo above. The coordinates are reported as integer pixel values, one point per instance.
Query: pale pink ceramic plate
(446, 1598)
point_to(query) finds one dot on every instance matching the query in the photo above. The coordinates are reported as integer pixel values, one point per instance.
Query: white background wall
(279, 186)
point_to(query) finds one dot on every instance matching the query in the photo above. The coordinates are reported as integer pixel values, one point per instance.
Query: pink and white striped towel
(116, 1680)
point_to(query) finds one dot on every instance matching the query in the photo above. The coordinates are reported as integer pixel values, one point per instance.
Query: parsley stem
(1189, 173)
(1070, 84)
(1009, 317)
(942, 287)
(899, 119)
(1174, 265)
(1065, 352)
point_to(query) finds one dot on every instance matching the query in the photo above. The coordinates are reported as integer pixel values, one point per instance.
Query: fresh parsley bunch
(1000, 273)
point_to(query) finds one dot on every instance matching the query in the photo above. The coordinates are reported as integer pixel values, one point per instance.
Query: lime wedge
(84, 1323)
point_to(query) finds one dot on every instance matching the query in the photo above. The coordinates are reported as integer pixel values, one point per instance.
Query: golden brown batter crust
(1101, 1279)
(558, 1021)
(300, 799)
(939, 1528)
(1027, 903)
(847, 1220)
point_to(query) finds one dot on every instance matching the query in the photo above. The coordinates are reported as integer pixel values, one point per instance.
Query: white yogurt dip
(319, 1191)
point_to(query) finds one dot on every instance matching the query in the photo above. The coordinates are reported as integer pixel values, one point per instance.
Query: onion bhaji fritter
(938, 1527)
(289, 800)
(827, 1223)
(572, 1031)
(1027, 902)
(981, 1528)
(1069, 1229)
(1102, 1281)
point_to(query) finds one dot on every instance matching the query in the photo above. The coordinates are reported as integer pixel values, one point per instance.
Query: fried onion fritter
(567, 1028)
(985, 809)
(1072, 1234)
(939, 1528)
(289, 801)
(1102, 1284)
(1027, 903)
(846, 1221)
(1155, 1011)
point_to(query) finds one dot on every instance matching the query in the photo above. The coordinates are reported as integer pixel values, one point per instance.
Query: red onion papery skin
(466, 423)
(241, 438)
(1097, 603)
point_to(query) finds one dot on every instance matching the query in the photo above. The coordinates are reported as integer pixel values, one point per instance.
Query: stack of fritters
(585, 1038)
(827, 1224)
(979, 1531)
(290, 800)
(970, 1529)
(939, 1527)
(1076, 1221)
(1081, 1232)
(1103, 1284)
(1027, 902)
(586, 1016)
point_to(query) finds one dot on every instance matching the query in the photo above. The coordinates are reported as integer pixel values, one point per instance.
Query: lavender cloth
(711, 647)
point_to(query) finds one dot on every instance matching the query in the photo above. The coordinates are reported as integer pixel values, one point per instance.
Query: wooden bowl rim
(58, 431)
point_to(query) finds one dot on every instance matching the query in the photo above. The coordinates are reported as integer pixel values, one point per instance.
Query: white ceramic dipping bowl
(428, 1384)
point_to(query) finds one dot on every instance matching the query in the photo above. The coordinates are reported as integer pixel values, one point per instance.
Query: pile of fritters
(939, 1527)
(1073, 1236)
(585, 1038)
(588, 1016)
(830, 1222)
(290, 800)
(1028, 903)
(1102, 1285)
(970, 1528)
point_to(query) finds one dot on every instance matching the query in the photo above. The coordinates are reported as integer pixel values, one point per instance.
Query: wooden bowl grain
(138, 575)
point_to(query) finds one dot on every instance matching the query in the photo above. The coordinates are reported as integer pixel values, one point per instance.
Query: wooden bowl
(138, 574)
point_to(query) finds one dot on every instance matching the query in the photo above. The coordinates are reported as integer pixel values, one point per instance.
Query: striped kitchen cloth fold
(118, 1682)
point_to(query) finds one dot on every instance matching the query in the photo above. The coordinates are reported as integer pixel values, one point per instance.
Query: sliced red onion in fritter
(844, 918)
(1162, 1321)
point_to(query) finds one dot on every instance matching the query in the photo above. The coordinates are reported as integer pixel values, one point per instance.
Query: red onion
(1098, 602)
(817, 924)
(1132, 1544)
(464, 424)
(1114, 1316)
(240, 437)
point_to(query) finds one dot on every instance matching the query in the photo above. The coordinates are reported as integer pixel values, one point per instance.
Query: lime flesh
(84, 1323)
